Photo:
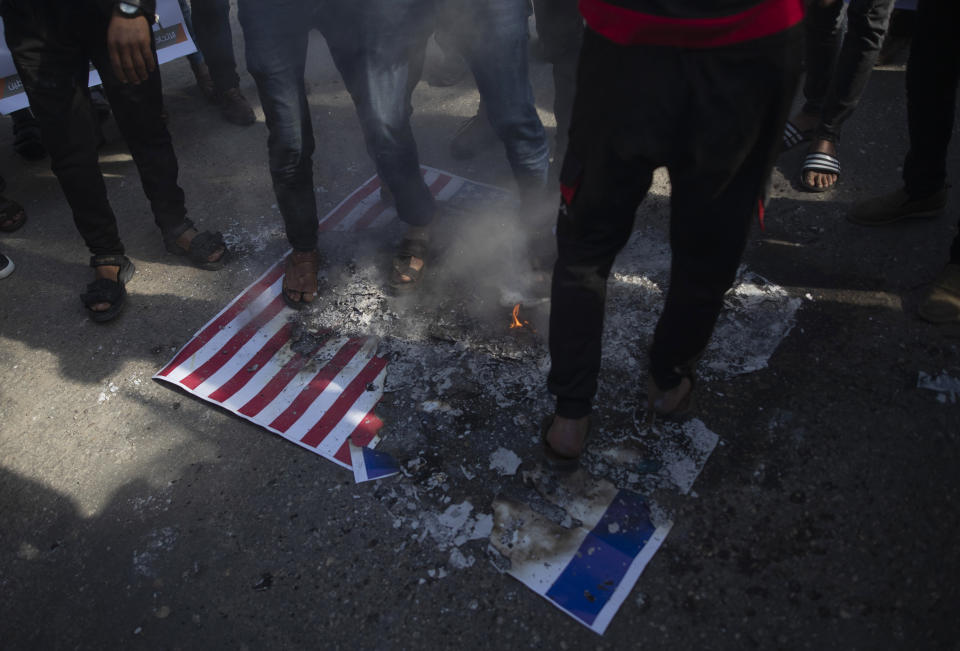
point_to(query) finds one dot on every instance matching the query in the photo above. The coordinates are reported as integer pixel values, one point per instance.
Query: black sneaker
(234, 107)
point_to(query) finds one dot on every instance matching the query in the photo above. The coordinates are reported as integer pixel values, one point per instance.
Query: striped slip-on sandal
(794, 135)
(819, 162)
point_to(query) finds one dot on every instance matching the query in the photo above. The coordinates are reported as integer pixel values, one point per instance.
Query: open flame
(516, 322)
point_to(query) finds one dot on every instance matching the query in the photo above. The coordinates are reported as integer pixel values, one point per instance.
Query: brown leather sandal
(300, 283)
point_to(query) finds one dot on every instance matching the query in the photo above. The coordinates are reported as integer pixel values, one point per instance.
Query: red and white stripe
(242, 360)
(363, 208)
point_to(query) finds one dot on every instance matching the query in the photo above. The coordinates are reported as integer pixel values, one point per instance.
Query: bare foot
(300, 283)
(821, 180)
(566, 436)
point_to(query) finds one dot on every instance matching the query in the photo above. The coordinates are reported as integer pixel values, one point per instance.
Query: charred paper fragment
(945, 385)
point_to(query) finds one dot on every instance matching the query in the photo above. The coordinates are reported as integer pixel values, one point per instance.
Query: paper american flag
(321, 398)
(243, 361)
(365, 209)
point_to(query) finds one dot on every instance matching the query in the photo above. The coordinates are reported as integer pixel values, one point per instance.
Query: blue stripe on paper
(587, 583)
(379, 464)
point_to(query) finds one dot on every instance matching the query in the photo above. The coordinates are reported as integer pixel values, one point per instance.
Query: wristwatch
(129, 10)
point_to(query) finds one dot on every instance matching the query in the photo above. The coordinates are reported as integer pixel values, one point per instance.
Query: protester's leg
(932, 78)
(451, 68)
(380, 72)
(381, 79)
(496, 46)
(199, 67)
(823, 26)
(739, 101)
(560, 29)
(932, 74)
(211, 23)
(54, 74)
(591, 229)
(601, 189)
(823, 30)
(211, 20)
(867, 22)
(137, 109)
(276, 35)
(53, 64)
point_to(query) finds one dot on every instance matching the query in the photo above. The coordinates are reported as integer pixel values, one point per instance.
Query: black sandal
(409, 249)
(555, 461)
(104, 290)
(12, 215)
(202, 246)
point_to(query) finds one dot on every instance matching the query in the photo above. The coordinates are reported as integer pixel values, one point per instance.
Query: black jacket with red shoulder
(689, 23)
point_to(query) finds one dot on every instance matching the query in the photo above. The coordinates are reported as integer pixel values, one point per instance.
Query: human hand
(128, 42)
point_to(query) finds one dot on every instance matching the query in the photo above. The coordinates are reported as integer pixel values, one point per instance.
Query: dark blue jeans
(492, 36)
(276, 33)
(378, 46)
(494, 40)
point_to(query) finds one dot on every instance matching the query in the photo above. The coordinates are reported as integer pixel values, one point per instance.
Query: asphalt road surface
(135, 516)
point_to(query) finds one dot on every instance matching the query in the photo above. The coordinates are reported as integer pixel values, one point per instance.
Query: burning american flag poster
(318, 393)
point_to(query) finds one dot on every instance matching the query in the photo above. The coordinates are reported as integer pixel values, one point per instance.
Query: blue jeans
(493, 39)
(492, 36)
(276, 33)
(378, 47)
